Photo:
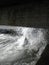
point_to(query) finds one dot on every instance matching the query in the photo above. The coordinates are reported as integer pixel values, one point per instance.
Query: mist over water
(21, 45)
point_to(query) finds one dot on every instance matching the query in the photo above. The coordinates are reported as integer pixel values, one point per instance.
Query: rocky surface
(21, 45)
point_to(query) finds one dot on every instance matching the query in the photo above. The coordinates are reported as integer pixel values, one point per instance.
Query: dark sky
(27, 13)
(20, 2)
(13, 2)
